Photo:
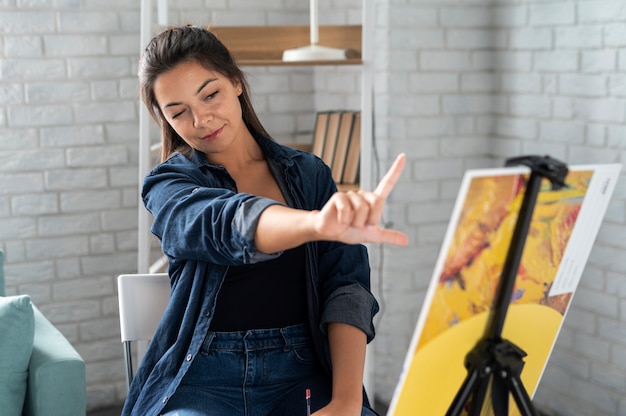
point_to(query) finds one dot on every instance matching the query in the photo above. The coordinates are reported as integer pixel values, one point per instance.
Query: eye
(211, 96)
(175, 116)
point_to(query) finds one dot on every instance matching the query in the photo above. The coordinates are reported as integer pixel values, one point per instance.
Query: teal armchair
(55, 379)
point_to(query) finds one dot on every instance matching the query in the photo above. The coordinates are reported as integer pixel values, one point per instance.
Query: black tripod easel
(495, 364)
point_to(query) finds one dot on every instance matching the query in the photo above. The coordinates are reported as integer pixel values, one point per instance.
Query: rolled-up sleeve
(197, 217)
(353, 305)
(244, 228)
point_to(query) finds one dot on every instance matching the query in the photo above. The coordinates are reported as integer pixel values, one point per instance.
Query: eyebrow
(200, 88)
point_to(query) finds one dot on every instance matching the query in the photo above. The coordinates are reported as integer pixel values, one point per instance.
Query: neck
(238, 157)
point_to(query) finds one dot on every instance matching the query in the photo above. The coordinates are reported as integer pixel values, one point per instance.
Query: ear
(238, 87)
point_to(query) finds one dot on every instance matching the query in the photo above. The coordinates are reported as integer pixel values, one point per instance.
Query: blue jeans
(253, 373)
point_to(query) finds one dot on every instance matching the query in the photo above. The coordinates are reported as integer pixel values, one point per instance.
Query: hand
(354, 217)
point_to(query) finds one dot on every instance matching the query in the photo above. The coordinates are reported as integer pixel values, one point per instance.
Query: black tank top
(269, 294)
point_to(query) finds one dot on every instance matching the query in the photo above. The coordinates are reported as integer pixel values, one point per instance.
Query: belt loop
(286, 338)
(208, 340)
(244, 340)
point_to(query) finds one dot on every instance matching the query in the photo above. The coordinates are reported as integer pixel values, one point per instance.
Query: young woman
(270, 288)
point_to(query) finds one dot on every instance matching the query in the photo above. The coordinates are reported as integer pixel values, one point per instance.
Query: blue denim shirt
(204, 227)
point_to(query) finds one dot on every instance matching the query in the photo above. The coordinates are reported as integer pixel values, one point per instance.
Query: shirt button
(164, 400)
(189, 357)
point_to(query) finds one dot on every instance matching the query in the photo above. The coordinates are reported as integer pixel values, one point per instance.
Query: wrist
(310, 224)
(352, 403)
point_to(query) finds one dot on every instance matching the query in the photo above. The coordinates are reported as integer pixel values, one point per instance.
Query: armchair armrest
(56, 381)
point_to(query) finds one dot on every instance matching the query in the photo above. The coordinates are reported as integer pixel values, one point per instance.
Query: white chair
(142, 301)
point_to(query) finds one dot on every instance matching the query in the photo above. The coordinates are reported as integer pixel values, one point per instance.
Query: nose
(201, 120)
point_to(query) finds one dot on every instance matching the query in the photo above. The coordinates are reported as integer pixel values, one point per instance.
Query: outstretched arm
(348, 217)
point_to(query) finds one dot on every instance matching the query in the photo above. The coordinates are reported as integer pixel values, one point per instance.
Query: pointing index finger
(386, 184)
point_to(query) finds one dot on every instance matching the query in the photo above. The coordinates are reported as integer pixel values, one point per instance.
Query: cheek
(180, 123)
(236, 111)
(179, 129)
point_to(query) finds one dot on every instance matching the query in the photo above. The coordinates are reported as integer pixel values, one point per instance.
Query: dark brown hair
(174, 46)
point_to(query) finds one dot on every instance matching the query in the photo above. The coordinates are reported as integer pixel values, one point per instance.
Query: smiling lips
(213, 135)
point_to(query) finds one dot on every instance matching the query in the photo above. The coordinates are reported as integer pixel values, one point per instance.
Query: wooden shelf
(264, 45)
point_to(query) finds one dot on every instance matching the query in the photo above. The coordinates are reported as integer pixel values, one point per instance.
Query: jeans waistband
(256, 339)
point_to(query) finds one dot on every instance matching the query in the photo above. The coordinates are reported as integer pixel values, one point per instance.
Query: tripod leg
(522, 399)
(500, 396)
(478, 399)
(464, 393)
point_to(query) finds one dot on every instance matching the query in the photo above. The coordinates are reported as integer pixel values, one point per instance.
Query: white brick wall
(459, 84)
(534, 77)
(66, 216)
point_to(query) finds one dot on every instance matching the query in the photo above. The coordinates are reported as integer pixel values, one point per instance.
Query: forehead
(184, 78)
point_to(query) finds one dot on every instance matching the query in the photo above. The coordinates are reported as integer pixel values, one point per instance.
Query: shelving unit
(264, 45)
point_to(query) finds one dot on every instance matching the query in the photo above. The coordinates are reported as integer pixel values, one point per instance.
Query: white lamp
(314, 52)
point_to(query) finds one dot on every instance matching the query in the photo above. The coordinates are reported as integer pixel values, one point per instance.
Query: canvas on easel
(564, 225)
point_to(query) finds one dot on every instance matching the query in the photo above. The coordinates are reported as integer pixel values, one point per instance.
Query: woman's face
(202, 106)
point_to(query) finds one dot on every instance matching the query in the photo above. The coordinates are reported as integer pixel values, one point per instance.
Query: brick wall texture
(458, 84)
